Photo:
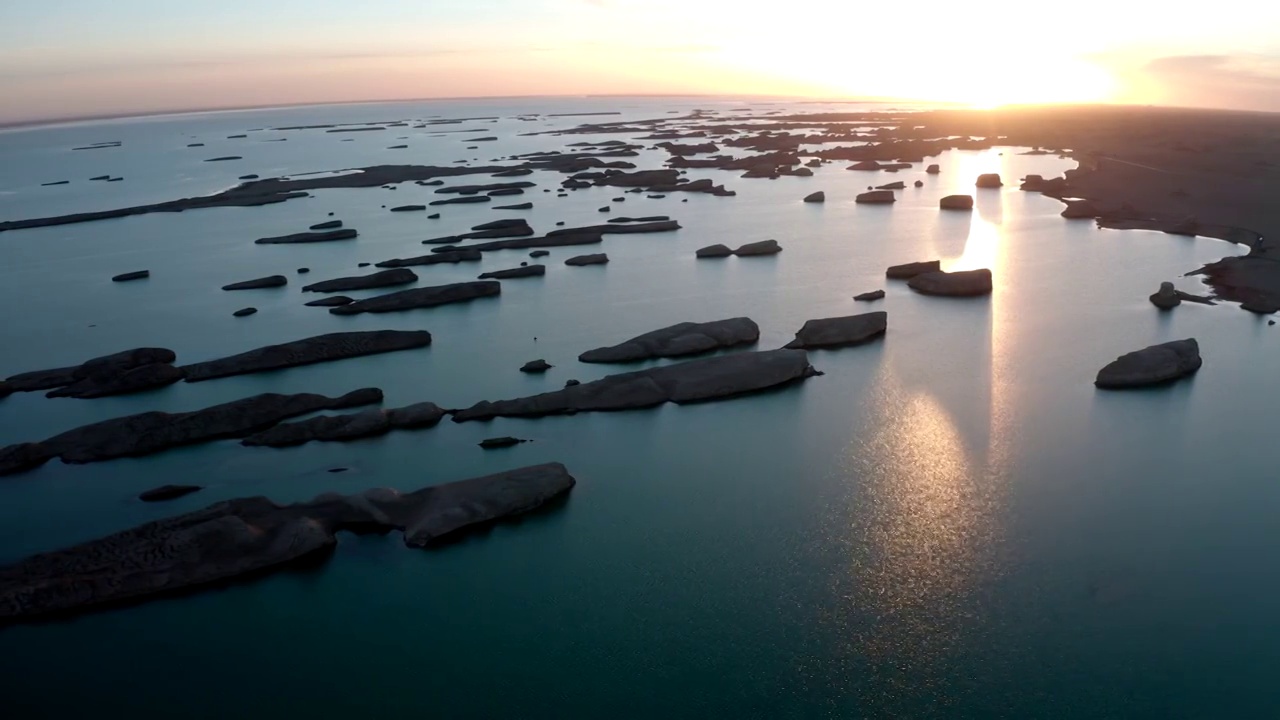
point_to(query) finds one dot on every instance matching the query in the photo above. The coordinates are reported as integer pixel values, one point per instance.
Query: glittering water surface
(948, 523)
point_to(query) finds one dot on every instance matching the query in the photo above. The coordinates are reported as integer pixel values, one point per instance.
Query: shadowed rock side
(386, 278)
(251, 536)
(1154, 365)
(422, 298)
(309, 237)
(318, 349)
(152, 432)
(352, 426)
(964, 283)
(840, 331)
(681, 339)
(910, 270)
(96, 372)
(701, 380)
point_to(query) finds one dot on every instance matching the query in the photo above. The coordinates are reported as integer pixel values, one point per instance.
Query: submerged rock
(271, 281)
(152, 432)
(309, 237)
(251, 536)
(1154, 365)
(536, 366)
(681, 339)
(956, 202)
(840, 331)
(596, 259)
(714, 251)
(989, 180)
(168, 492)
(135, 275)
(513, 273)
(702, 380)
(308, 351)
(869, 296)
(875, 197)
(386, 278)
(965, 283)
(818, 197)
(422, 298)
(764, 247)
(910, 270)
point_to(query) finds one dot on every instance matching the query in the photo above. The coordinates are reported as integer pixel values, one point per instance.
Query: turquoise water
(951, 523)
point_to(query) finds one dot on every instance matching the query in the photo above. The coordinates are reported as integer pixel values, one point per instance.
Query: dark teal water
(951, 523)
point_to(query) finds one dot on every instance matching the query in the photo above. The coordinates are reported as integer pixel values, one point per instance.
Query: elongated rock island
(317, 349)
(422, 298)
(681, 339)
(253, 536)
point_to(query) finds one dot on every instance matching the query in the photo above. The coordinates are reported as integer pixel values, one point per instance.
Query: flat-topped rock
(896, 185)
(422, 298)
(513, 273)
(452, 257)
(679, 340)
(910, 270)
(309, 237)
(152, 432)
(308, 351)
(869, 296)
(764, 247)
(98, 368)
(714, 251)
(331, 301)
(989, 180)
(631, 228)
(1081, 210)
(536, 366)
(500, 442)
(408, 208)
(135, 275)
(1154, 365)
(594, 259)
(386, 278)
(956, 202)
(840, 331)
(327, 225)
(271, 281)
(489, 188)
(249, 537)
(463, 200)
(964, 283)
(818, 197)
(875, 197)
(168, 492)
(702, 380)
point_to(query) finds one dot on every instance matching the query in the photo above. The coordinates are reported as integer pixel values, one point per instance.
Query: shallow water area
(951, 522)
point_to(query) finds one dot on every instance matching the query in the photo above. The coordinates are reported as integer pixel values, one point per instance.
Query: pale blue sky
(75, 57)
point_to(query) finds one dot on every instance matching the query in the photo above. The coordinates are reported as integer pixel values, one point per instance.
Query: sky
(77, 58)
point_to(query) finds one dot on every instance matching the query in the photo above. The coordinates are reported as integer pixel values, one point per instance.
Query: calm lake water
(950, 523)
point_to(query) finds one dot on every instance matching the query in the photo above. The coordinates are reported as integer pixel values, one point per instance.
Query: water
(950, 523)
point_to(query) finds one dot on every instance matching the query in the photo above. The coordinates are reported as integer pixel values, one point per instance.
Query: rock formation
(580, 260)
(910, 270)
(309, 237)
(513, 273)
(351, 426)
(875, 197)
(956, 202)
(964, 283)
(681, 339)
(318, 349)
(386, 278)
(840, 331)
(271, 281)
(1154, 365)
(422, 298)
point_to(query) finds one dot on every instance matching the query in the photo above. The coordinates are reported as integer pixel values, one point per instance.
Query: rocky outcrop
(679, 340)
(964, 283)
(309, 237)
(99, 370)
(620, 229)
(865, 165)
(933, 169)
(422, 298)
(271, 281)
(536, 366)
(562, 240)
(487, 231)
(464, 200)
(513, 273)
(245, 312)
(910, 270)
(818, 197)
(898, 185)
(500, 442)
(1166, 298)
(152, 432)
(989, 180)
(870, 296)
(764, 247)
(331, 301)
(168, 492)
(702, 380)
(875, 197)
(250, 537)
(517, 206)
(580, 260)
(318, 349)
(327, 225)
(409, 208)
(714, 251)
(452, 257)
(490, 188)
(135, 275)
(956, 202)
(120, 382)
(351, 426)
(386, 278)
(840, 331)
(1081, 210)
(1154, 365)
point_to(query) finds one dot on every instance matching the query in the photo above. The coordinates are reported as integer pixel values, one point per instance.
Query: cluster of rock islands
(712, 360)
